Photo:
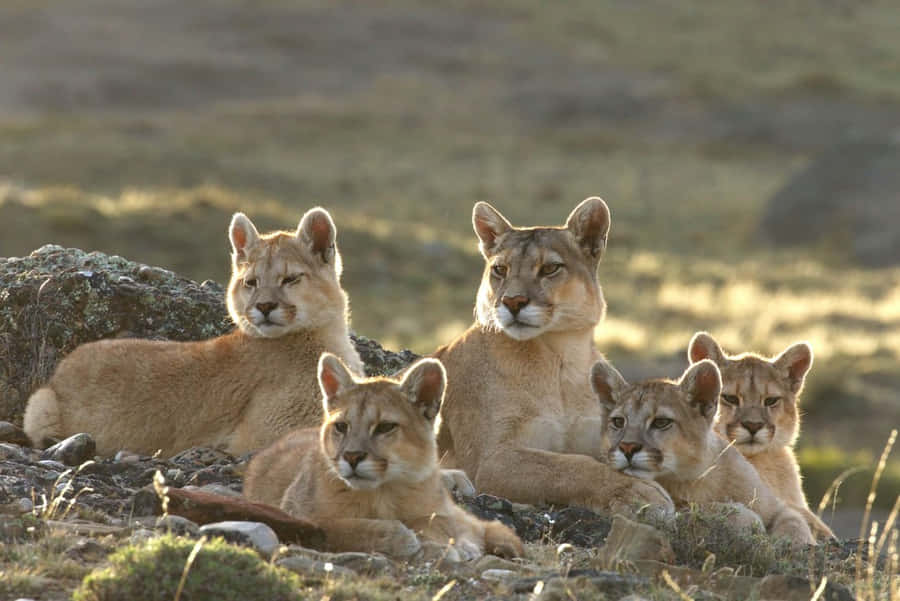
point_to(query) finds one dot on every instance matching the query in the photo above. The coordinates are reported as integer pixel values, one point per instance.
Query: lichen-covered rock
(56, 299)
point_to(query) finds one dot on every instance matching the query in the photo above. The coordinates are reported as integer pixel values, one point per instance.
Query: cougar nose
(514, 303)
(354, 457)
(266, 308)
(753, 427)
(629, 449)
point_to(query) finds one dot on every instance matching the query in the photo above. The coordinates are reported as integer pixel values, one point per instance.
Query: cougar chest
(568, 417)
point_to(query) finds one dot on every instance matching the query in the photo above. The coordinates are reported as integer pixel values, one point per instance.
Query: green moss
(153, 570)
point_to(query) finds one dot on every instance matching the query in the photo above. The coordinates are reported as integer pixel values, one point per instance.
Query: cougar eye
(498, 270)
(290, 279)
(250, 283)
(661, 423)
(772, 401)
(617, 422)
(384, 428)
(550, 268)
(730, 399)
(340, 427)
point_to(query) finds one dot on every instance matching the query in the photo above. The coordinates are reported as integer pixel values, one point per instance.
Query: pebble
(11, 451)
(311, 567)
(256, 535)
(74, 450)
(498, 575)
(177, 525)
(13, 434)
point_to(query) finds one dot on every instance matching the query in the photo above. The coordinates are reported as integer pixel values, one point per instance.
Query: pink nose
(354, 457)
(629, 449)
(753, 427)
(514, 303)
(266, 308)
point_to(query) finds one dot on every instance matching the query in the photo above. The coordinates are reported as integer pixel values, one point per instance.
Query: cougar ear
(489, 226)
(243, 236)
(424, 386)
(704, 346)
(795, 362)
(334, 377)
(318, 232)
(703, 384)
(607, 382)
(589, 223)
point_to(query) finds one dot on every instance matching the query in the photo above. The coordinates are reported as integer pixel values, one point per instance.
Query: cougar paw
(400, 541)
(458, 480)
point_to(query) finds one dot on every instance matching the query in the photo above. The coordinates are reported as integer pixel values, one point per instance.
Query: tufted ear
(704, 346)
(489, 226)
(795, 362)
(424, 385)
(318, 233)
(607, 382)
(702, 383)
(334, 378)
(243, 236)
(589, 223)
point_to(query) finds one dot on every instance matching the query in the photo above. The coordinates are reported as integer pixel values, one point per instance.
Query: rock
(311, 567)
(56, 299)
(87, 550)
(13, 434)
(177, 525)
(145, 502)
(492, 562)
(778, 587)
(74, 450)
(850, 192)
(255, 535)
(499, 575)
(214, 489)
(585, 582)
(631, 541)
(361, 563)
(11, 451)
(201, 456)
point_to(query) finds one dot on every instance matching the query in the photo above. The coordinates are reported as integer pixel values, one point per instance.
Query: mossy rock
(152, 571)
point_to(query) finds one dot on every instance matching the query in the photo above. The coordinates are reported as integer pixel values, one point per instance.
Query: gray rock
(255, 535)
(201, 456)
(87, 549)
(11, 451)
(216, 489)
(74, 450)
(177, 525)
(11, 433)
(306, 566)
(499, 575)
(794, 588)
(631, 541)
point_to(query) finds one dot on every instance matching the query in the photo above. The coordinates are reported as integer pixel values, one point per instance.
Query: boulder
(57, 298)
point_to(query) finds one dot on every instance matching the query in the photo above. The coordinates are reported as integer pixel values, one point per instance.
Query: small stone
(87, 550)
(128, 457)
(177, 525)
(631, 541)
(492, 562)
(153, 274)
(498, 575)
(256, 535)
(176, 476)
(141, 534)
(13, 434)
(215, 489)
(795, 588)
(145, 502)
(12, 452)
(25, 505)
(363, 563)
(200, 456)
(74, 450)
(311, 567)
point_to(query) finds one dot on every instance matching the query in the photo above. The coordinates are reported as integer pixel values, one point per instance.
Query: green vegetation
(154, 571)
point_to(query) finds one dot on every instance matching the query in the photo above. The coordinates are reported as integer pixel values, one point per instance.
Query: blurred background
(749, 152)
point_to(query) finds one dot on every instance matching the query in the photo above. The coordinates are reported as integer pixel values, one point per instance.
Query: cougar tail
(501, 541)
(42, 418)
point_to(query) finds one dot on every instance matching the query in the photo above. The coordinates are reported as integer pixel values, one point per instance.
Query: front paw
(398, 541)
(643, 497)
(458, 480)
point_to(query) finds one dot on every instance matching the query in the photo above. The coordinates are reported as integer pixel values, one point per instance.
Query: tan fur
(370, 477)
(748, 380)
(520, 417)
(662, 430)
(238, 392)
